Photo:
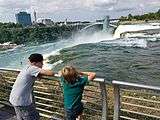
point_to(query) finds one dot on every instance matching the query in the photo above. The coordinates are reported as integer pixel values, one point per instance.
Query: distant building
(45, 21)
(70, 23)
(23, 18)
(65, 22)
(35, 16)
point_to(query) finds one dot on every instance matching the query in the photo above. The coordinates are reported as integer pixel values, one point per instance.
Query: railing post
(104, 101)
(116, 102)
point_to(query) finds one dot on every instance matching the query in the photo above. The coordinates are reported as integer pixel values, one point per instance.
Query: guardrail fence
(49, 96)
(136, 102)
(102, 101)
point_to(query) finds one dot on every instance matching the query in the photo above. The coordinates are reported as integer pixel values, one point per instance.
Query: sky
(75, 10)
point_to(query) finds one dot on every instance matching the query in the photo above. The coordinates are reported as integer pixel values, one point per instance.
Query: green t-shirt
(73, 92)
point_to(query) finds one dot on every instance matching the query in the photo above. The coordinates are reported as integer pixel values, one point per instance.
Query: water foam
(51, 66)
(79, 39)
(50, 49)
(130, 42)
(137, 27)
(105, 37)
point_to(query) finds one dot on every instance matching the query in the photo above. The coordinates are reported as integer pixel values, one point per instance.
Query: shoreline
(6, 46)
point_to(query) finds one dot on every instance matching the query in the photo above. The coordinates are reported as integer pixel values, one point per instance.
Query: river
(135, 59)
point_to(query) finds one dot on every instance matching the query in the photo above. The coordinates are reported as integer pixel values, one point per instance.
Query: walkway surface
(7, 113)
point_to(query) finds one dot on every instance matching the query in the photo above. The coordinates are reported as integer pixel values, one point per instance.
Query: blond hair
(69, 74)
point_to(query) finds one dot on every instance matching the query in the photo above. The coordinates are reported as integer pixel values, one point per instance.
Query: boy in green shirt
(73, 84)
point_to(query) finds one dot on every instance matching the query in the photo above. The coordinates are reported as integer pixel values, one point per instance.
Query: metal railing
(136, 101)
(49, 97)
(102, 100)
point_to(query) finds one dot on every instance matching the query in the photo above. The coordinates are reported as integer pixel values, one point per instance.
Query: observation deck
(115, 100)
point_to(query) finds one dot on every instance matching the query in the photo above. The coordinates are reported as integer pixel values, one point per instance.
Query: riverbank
(7, 45)
(37, 35)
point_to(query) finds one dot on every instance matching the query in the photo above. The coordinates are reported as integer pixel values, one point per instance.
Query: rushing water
(129, 59)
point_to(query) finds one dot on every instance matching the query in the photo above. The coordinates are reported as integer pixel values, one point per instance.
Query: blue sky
(59, 10)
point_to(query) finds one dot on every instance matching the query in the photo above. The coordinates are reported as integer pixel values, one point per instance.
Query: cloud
(154, 3)
(99, 3)
(105, 2)
(8, 9)
(57, 5)
(124, 9)
(14, 4)
(73, 8)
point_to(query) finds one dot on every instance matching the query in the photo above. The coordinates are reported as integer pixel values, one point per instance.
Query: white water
(126, 28)
(13, 58)
(130, 42)
(97, 37)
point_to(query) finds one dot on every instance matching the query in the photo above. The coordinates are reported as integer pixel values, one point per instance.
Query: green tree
(130, 17)
(5, 35)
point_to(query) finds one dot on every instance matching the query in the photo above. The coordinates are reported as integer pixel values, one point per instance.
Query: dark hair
(35, 57)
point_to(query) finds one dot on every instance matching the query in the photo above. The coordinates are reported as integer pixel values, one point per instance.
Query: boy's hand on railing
(91, 75)
(59, 74)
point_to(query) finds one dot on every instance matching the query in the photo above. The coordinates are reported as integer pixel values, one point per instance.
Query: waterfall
(126, 28)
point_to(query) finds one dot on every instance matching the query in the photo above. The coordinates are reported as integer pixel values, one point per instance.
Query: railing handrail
(117, 95)
(104, 106)
(10, 69)
(56, 75)
(117, 85)
(114, 82)
(129, 84)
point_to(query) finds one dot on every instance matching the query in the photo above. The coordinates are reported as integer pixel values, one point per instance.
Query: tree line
(15, 33)
(146, 17)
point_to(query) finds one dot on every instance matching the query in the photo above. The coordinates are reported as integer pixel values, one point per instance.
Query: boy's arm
(46, 72)
(91, 75)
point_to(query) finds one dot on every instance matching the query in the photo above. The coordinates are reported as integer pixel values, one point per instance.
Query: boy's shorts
(27, 112)
(72, 114)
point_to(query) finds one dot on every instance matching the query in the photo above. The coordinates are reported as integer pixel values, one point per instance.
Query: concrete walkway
(7, 113)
